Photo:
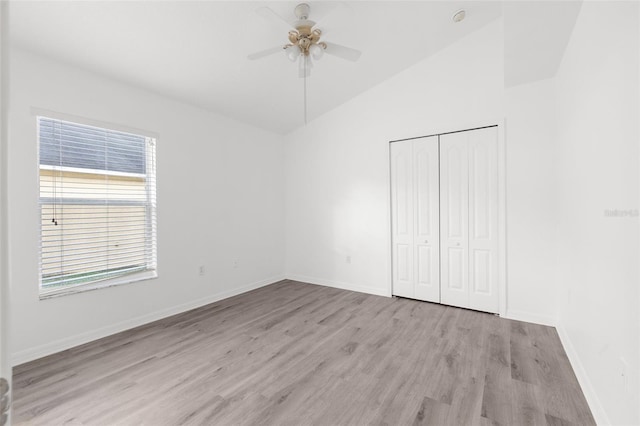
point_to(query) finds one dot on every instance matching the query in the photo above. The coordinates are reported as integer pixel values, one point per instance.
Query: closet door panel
(454, 194)
(402, 218)
(444, 219)
(483, 220)
(426, 237)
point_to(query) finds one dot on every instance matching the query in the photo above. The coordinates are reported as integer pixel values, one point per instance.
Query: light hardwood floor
(293, 354)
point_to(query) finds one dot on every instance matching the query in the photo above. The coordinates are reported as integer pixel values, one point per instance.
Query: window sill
(81, 288)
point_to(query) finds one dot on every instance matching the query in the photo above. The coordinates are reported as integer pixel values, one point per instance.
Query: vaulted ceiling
(197, 51)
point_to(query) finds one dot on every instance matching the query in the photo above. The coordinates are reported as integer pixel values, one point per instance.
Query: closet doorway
(444, 218)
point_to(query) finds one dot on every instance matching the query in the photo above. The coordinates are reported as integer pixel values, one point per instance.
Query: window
(97, 207)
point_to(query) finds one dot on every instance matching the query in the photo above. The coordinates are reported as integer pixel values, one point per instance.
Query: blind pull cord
(55, 182)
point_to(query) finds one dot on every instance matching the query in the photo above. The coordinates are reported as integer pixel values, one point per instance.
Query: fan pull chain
(304, 58)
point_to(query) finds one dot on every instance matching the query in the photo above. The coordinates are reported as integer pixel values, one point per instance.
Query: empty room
(320, 213)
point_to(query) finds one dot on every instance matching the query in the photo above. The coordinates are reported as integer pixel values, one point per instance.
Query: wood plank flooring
(296, 354)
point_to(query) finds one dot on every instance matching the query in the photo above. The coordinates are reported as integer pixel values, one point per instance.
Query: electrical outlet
(201, 270)
(348, 259)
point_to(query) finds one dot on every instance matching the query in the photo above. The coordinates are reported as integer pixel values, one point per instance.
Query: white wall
(5, 353)
(567, 263)
(531, 197)
(337, 175)
(337, 171)
(232, 208)
(571, 153)
(597, 160)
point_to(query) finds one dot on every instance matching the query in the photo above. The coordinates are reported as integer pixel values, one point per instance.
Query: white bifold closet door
(469, 219)
(415, 218)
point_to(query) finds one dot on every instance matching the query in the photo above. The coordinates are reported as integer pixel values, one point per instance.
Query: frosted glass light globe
(316, 51)
(292, 53)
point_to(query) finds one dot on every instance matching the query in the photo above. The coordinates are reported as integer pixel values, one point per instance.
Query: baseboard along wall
(339, 284)
(597, 410)
(72, 341)
(62, 344)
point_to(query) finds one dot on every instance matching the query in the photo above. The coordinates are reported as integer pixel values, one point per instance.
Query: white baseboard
(82, 338)
(530, 317)
(340, 285)
(599, 414)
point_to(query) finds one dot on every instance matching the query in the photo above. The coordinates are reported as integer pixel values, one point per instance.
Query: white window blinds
(97, 204)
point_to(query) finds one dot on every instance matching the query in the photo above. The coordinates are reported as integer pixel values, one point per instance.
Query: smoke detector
(459, 15)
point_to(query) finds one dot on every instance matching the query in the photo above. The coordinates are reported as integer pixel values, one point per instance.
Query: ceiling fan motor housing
(302, 11)
(305, 35)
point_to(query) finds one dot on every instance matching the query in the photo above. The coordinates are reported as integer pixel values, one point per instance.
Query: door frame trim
(502, 202)
(5, 317)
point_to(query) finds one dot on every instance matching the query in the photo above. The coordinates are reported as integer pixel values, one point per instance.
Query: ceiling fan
(305, 44)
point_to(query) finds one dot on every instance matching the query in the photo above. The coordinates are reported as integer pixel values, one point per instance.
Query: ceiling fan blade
(341, 11)
(266, 52)
(343, 52)
(270, 15)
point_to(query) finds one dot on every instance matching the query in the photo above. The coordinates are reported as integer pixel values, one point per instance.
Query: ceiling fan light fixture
(305, 43)
(316, 51)
(292, 52)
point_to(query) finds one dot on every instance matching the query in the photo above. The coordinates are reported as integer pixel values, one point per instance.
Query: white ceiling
(536, 34)
(197, 51)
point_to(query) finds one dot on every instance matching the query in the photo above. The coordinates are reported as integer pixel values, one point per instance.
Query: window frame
(151, 193)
